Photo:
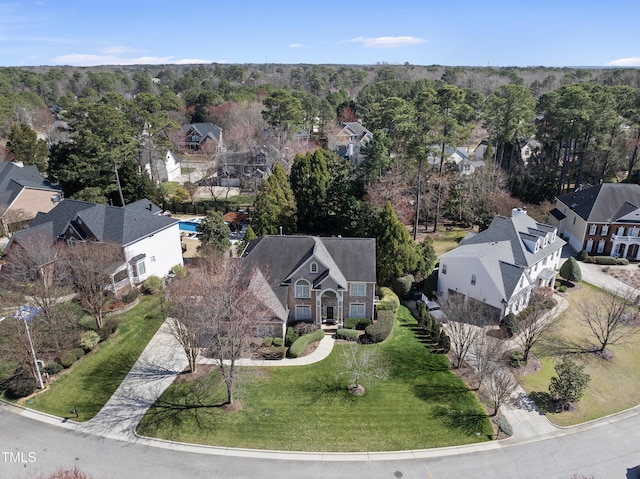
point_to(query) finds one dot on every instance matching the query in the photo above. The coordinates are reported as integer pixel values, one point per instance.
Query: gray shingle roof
(343, 259)
(205, 130)
(109, 224)
(13, 179)
(603, 203)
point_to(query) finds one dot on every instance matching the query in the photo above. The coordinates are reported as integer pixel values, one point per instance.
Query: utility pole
(115, 169)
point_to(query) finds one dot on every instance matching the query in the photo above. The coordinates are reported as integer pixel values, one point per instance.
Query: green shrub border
(347, 334)
(302, 342)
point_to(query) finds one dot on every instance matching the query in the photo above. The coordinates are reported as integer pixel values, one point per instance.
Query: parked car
(433, 308)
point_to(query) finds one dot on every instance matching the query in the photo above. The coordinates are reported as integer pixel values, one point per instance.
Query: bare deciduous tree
(221, 311)
(487, 356)
(91, 266)
(609, 316)
(34, 267)
(501, 384)
(14, 342)
(362, 362)
(534, 325)
(465, 320)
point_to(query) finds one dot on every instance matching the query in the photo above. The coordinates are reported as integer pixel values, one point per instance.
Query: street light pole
(33, 351)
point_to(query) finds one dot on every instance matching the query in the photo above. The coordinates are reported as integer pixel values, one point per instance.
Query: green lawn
(92, 380)
(445, 241)
(614, 383)
(421, 405)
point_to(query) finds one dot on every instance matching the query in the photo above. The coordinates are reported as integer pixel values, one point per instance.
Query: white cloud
(625, 62)
(113, 59)
(387, 42)
(296, 45)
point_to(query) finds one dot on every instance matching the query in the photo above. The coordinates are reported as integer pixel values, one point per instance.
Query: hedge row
(389, 300)
(604, 260)
(347, 334)
(302, 342)
(381, 329)
(356, 323)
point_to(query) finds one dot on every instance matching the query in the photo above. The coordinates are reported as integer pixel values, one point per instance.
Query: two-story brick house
(602, 220)
(317, 279)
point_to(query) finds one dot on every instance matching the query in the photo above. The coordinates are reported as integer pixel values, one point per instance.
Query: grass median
(421, 405)
(91, 381)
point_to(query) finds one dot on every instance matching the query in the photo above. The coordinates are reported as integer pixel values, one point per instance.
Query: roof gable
(603, 203)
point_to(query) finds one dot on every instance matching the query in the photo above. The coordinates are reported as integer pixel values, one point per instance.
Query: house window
(142, 269)
(620, 231)
(303, 313)
(589, 246)
(302, 289)
(314, 268)
(574, 220)
(592, 229)
(604, 230)
(634, 231)
(444, 269)
(358, 289)
(473, 279)
(600, 246)
(153, 259)
(357, 310)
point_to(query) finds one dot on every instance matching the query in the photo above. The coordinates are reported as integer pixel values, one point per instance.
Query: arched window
(314, 268)
(302, 289)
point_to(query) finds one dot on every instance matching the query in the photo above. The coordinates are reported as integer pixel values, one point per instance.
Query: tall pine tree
(275, 205)
(310, 182)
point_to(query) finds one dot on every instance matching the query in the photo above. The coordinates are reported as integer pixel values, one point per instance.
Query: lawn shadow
(324, 388)
(543, 401)
(413, 361)
(469, 422)
(560, 346)
(440, 392)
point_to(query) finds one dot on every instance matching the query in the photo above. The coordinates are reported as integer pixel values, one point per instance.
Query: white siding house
(504, 264)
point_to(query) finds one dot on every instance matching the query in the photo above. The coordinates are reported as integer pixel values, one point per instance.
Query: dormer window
(313, 268)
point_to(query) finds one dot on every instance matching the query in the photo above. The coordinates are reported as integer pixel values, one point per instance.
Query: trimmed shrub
(356, 323)
(570, 270)
(582, 256)
(79, 352)
(347, 334)
(444, 342)
(381, 329)
(389, 300)
(21, 385)
(273, 352)
(516, 359)
(562, 288)
(267, 342)
(510, 323)
(302, 342)
(67, 358)
(556, 284)
(504, 426)
(291, 336)
(622, 261)
(89, 339)
(606, 260)
(53, 368)
(278, 342)
(109, 327)
(402, 285)
(152, 285)
(179, 270)
(130, 296)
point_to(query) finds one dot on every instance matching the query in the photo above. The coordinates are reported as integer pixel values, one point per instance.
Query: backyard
(614, 383)
(421, 405)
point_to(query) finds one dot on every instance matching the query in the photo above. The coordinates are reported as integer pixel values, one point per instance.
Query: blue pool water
(187, 226)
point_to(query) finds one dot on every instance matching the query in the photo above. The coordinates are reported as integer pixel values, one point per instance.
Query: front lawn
(421, 405)
(91, 382)
(614, 383)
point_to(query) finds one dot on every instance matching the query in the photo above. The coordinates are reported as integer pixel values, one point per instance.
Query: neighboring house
(350, 139)
(197, 134)
(454, 158)
(162, 170)
(317, 279)
(502, 265)
(529, 148)
(243, 169)
(603, 219)
(23, 193)
(150, 242)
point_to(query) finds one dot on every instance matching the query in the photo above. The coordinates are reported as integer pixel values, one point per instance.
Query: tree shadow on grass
(469, 422)
(560, 346)
(414, 360)
(325, 388)
(440, 392)
(543, 401)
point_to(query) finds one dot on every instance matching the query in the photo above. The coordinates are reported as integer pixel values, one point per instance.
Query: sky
(594, 33)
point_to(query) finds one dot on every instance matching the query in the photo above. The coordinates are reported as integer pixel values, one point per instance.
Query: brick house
(602, 220)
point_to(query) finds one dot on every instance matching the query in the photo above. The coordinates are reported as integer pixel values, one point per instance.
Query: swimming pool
(188, 226)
